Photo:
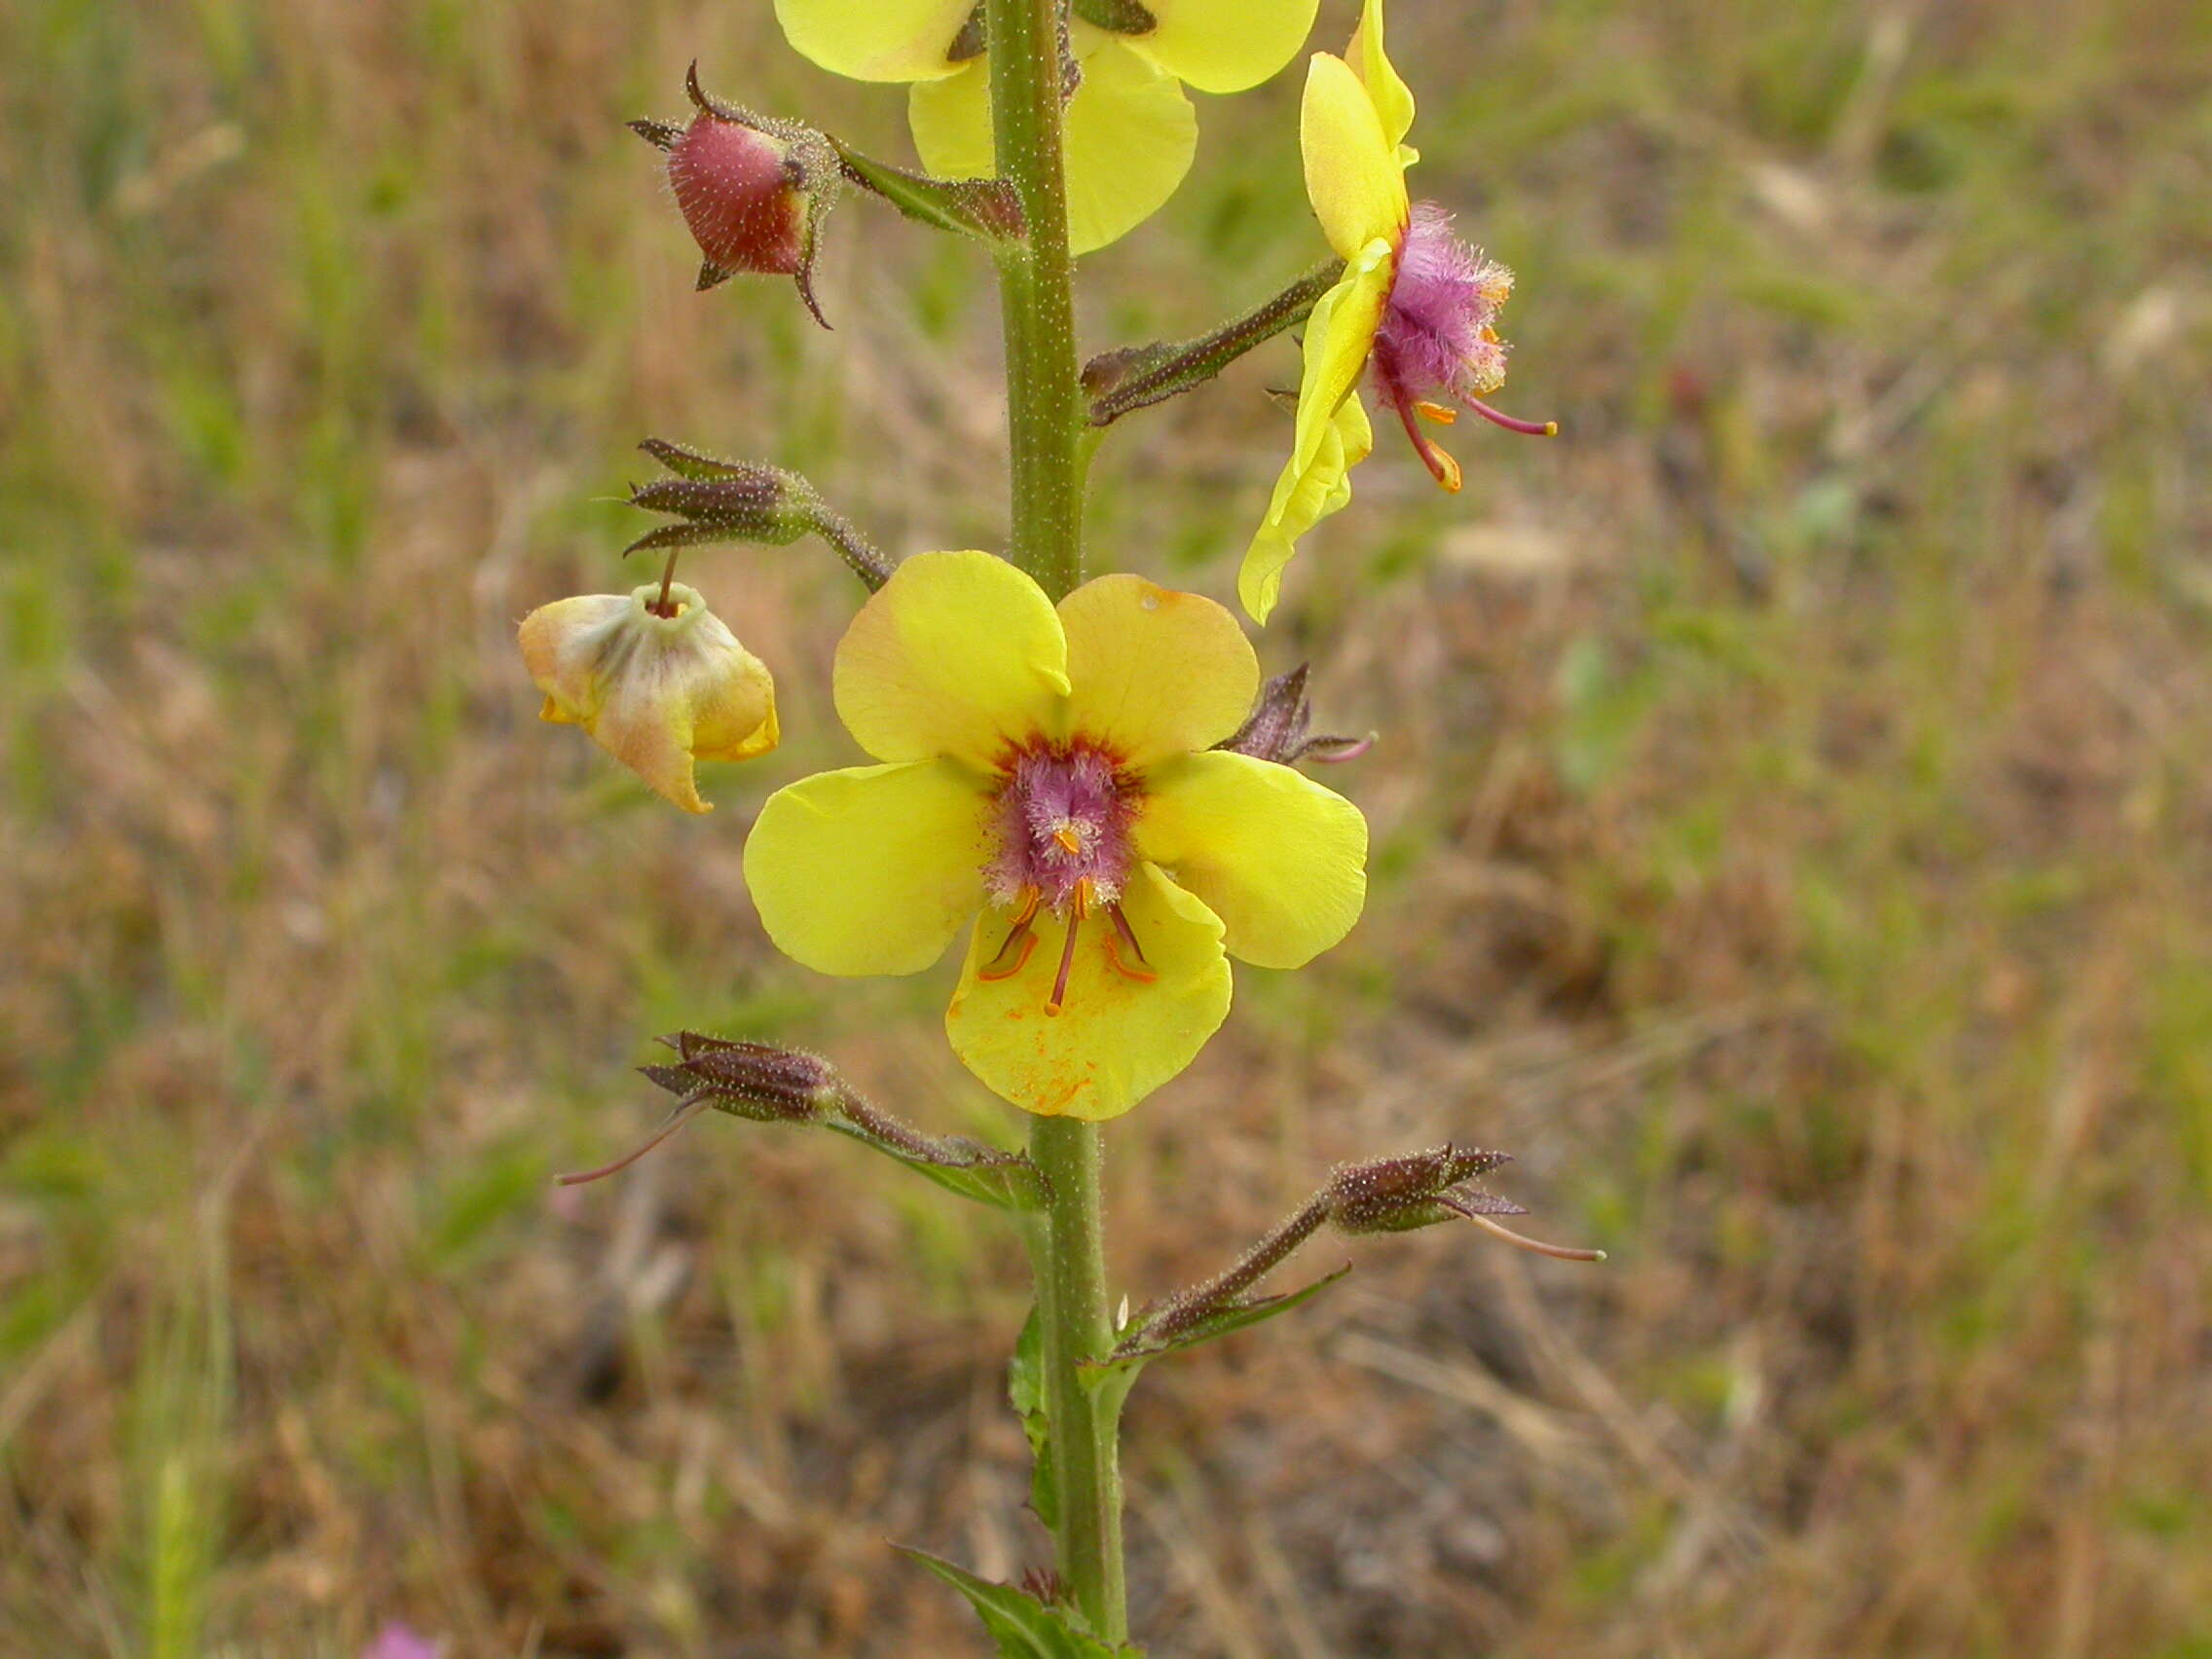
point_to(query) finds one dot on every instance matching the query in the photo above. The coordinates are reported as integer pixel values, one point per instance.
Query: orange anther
(1142, 976)
(1013, 954)
(1019, 942)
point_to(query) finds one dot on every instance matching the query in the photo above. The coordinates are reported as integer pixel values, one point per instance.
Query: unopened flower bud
(742, 501)
(738, 190)
(1395, 1194)
(753, 1080)
(753, 190)
(656, 684)
(725, 501)
(749, 1080)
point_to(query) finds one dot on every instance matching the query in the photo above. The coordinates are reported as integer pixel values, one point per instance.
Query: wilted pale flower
(1415, 301)
(1129, 130)
(656, 691)
(1052, 770)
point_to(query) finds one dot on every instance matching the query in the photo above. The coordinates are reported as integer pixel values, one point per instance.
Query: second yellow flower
(1131, 130)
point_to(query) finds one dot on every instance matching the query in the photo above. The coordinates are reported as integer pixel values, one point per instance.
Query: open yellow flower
(1414, 302)
(655, 691)
(1131, 130)
(1051, 774)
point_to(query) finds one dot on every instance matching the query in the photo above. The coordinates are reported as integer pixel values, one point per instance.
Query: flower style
(1130, 131)
(1051, 774)
(1415, 301)
(657, 685)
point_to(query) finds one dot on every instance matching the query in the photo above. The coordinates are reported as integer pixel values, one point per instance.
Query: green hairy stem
(1067, 1255)
(1044, 405)
(1046, 416)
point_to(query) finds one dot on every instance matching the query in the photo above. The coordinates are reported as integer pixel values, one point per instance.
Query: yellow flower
(1414, 300)
(1130, 131)
(1051, 774)
(655, 691)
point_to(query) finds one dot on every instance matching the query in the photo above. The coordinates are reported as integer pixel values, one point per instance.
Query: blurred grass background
(1793, 839)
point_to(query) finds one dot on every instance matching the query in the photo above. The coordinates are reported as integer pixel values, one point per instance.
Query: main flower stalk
(1044, 415)
(1045, 410)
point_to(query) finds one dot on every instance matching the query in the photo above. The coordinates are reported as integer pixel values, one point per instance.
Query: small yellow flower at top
(657, 685)
(1050, 773)
(1130, 131)
(1414, 302)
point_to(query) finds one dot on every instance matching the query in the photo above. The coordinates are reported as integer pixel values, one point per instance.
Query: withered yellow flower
(1050, 773)
(655, 691)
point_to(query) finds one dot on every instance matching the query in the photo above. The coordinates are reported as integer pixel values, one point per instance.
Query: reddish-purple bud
(753, 190)
(739, 192)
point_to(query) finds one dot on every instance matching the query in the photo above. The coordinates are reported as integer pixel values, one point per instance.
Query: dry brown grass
(1792, 830)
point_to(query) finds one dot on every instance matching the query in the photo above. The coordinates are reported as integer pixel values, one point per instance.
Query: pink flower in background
(400, 1641)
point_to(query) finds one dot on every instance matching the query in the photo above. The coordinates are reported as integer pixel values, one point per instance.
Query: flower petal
(1279, 859)
(1225, 46)
(951, 123)
(1303, 498)
(959, 654)
(1116, 1038)
(1353, 176)
(1152, 671)
(870, 869)
(1394, 98)
(1332, 435)
(875, 40)
(1130, 135)
(1340, 337)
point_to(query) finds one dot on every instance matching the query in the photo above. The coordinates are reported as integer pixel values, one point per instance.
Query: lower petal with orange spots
(1080, 1018)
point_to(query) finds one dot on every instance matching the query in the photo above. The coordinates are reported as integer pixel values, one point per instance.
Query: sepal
(742, 501)
(1277, 728)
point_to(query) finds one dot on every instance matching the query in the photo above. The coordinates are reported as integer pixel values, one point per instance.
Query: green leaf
(986, 207)
(1003, 1186)
(1024, 1627)
(1003, 1180)
(1025, 1392)
(1114, 1376)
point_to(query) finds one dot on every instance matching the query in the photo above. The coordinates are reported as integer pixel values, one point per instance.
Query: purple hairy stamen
(1438, 337)
(1062, 833)
(1063, 822)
